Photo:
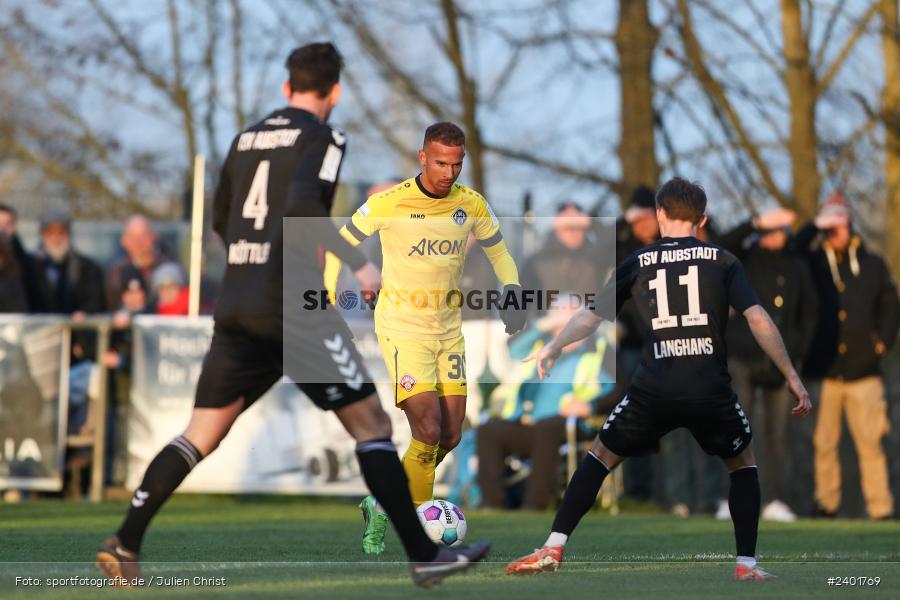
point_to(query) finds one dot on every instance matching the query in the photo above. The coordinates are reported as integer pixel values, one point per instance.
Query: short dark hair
(9, 209)
(445, 133)
(567, 204)
(314, 68)
(682, 200)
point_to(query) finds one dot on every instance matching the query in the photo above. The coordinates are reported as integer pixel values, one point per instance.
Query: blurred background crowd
(831, 296)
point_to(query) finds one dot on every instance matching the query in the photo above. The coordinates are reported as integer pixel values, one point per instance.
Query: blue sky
(551, 106)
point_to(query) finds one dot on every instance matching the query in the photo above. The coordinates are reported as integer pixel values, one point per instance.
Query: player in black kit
(682, 288)
(287, 165)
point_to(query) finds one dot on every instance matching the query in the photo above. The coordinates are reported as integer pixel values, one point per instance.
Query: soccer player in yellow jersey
(424, 224)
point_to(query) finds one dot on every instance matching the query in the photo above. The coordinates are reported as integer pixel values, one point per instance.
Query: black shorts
(245, 359)
(636, 424)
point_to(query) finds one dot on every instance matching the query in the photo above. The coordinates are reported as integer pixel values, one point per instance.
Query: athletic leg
(722, 428)
(450, 375)
(381, 469)
(581, 493)
(235, 374)
(453, 414)
(207, 428)
(744, 503)
(371, 428)
(423, 412)
(578, 499)
(118, 556)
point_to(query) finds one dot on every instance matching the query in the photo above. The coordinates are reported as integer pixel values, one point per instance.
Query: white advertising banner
(34, 358)
(281, 444)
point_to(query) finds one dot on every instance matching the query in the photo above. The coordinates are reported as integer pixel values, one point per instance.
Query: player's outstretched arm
(581, 325)
(769, 339)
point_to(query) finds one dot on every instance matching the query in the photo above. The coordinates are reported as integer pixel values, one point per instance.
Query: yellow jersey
(423, 243)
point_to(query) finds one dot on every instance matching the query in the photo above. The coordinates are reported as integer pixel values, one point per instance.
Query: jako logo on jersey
(417, 216)
(736, 443)
(438, 247)
(407, 382)
(460, 216)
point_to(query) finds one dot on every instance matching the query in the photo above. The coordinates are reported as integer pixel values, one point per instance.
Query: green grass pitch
(274, 547)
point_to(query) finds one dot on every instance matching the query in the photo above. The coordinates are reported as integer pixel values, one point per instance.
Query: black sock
(386, 479)
(163, 476)
(744, 503)
(581, 494)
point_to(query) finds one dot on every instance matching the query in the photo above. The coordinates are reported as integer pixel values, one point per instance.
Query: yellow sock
(441, 454)
(419, 463)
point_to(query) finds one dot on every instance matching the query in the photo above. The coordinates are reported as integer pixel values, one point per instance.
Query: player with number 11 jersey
(683, 289)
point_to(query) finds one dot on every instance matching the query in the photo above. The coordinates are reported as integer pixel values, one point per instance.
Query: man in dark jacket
(785, 289)
(26, 270)
(858, 319)
(568, 260)
(67, 282)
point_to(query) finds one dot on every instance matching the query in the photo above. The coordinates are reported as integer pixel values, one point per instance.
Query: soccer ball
(444, 523)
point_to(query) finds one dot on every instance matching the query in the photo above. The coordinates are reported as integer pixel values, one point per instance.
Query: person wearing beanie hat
(170, 290)
(641, 215)
(858, 320)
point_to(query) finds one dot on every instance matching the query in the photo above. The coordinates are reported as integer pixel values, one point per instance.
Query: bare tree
(452, 88)
(800, 81)
(806, 76)
(172, 71)
(890, 106)
(635, 40)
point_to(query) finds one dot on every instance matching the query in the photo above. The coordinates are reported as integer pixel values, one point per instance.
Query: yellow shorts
(418, 366)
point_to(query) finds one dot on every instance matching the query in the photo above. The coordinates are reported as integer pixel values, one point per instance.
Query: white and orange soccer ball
(443, 521)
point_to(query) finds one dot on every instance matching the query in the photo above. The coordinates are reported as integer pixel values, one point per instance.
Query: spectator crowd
(833, 299)
(55, 278)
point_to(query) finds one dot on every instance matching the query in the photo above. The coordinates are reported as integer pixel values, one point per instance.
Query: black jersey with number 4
(682, 288)
(287, 165)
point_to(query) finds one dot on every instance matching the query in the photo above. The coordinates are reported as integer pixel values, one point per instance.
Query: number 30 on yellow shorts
(418, 366)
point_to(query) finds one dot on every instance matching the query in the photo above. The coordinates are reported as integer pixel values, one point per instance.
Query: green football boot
(376, 523)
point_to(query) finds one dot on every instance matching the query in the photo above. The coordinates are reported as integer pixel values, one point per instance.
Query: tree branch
(835, 66)
(717, 96)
